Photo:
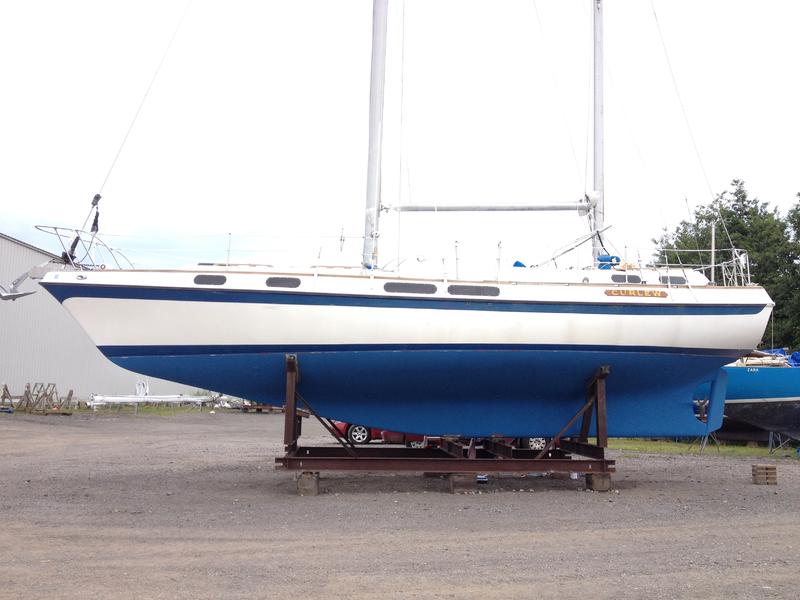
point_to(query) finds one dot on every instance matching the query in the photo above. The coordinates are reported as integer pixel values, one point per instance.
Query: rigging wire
(686, 118)
(696, 238)
(144, 98)
(69, 255)
(576, 243)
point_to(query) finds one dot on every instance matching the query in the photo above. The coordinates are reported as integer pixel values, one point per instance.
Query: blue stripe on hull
(63, 291)
(112, 351)
(470, 393)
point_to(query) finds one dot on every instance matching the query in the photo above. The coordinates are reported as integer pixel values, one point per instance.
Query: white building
(40, 341)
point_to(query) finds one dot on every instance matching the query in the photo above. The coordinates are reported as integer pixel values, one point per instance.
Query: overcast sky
(256, 124)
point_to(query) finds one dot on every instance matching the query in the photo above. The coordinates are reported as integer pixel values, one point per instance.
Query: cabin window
(400, 287)
(619, 278)
(284, 282)
(672, 280)
(473, 290)
(210, 279)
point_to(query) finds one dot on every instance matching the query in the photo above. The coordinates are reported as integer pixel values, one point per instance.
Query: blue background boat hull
(763, 382)
(769, 398)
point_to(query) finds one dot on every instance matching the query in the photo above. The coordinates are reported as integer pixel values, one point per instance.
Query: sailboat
(763, 395)
(436, 356)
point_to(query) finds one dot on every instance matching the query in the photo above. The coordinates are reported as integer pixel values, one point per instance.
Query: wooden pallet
(765, 475)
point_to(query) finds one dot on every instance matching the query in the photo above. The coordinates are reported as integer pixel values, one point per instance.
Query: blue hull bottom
(769, 398)
(512, 393)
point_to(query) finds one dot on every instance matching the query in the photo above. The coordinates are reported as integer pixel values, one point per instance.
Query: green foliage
(772, 243)
(663, 446)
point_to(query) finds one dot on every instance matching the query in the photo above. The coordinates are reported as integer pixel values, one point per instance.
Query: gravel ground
(191, 507)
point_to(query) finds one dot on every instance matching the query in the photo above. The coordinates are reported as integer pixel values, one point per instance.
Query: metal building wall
(40, 341)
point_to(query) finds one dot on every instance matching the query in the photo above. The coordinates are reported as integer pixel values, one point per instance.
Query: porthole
(672, 280)
(283, 282)
(210, 279)
(473, 290)
(402, 287)
(620, 278)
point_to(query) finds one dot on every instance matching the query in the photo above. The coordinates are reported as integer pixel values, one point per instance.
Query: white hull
(442, 361)
(617, 321)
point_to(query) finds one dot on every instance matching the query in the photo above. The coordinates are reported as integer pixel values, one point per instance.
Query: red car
(361, 434)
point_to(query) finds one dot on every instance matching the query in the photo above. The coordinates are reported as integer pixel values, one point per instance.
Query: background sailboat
(764, 393)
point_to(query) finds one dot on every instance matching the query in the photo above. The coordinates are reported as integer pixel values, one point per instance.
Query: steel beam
(582, 448)
(451, 456)
(291, 428)
(344, 462)
(582, 207)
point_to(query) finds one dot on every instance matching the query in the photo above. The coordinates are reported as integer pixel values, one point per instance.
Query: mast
(598, 210)
(380, 9)
(369, 259)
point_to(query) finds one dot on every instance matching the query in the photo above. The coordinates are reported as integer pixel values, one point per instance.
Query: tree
(771, 242)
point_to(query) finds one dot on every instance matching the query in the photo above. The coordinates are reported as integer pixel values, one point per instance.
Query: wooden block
(308, 483)
(599, 482)
(765, 474)
(461, 482)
